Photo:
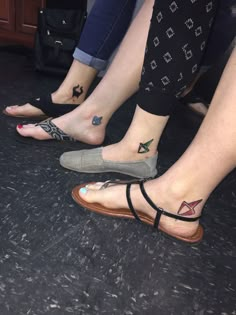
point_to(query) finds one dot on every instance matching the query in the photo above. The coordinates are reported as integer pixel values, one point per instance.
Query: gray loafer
(91, 161)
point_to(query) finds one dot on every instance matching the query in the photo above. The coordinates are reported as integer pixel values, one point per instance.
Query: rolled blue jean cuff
(89, 60)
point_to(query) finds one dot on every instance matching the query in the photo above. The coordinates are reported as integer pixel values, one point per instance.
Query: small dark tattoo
(188, 208)
(144, 147)
(97, 120)
(77, 93)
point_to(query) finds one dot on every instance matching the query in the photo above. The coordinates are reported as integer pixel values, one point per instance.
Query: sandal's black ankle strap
(161, 211)
(130, 202)
(55, 132)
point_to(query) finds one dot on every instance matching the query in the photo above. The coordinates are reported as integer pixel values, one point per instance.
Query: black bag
(56, 38)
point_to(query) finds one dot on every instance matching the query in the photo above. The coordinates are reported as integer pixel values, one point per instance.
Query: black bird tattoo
(77, 93)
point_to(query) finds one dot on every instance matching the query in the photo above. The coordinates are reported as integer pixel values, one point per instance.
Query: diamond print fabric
(176, 44)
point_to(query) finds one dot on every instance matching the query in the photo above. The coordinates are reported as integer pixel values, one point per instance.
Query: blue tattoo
(97, 120)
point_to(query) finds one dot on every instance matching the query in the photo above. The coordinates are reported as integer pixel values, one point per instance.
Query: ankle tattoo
(77, 93)
(188, 208)
(144, 147)
(97, 120)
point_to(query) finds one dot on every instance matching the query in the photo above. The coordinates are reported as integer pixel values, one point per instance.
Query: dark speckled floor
(56, 258)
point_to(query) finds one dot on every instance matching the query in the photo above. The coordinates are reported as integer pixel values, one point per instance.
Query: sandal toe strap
(119, 182)
(55, 132)
(43, 103)
(49, 108)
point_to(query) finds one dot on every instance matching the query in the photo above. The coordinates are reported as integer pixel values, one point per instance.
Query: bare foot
(78, 127)
(114, 197)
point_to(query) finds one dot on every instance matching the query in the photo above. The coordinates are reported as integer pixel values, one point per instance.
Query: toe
(16, 109)
(94, 186)
(33, 131)
(92, 192)
(11, 108)
(25, 130)
(88, 194)
(25, 126)
(24, 110)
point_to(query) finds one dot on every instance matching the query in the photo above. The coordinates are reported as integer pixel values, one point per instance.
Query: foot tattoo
(77, 93)
(144, 147)
(188, 208)
(97, 120)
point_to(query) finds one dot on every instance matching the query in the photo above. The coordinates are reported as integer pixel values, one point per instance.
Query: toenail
(19, 126)
(83, 190)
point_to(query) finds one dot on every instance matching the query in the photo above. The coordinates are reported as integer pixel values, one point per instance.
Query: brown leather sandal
(134, 214)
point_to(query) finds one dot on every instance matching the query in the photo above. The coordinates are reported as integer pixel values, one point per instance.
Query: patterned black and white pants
(175, 49)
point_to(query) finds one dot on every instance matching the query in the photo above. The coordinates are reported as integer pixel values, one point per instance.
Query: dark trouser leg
(175, 48)
(103, 31)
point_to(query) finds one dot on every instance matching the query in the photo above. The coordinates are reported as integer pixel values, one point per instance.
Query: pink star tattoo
(188, 208)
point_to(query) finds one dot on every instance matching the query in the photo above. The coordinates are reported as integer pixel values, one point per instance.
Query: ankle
(173, 198)
(61, 96)
(121, 151)
(136, 150)
(94, 116)
(97, 137)
(180, 193)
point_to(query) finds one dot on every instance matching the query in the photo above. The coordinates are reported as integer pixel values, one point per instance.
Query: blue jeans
(104, 29)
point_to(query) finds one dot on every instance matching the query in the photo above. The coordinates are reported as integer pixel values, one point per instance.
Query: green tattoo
(144, 147)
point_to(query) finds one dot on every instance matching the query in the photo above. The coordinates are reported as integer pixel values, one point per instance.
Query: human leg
(117, 85)
(170, 66)
(186, 186)
(103, 31)
(71, 92)
(223, 31)
(106, 26)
